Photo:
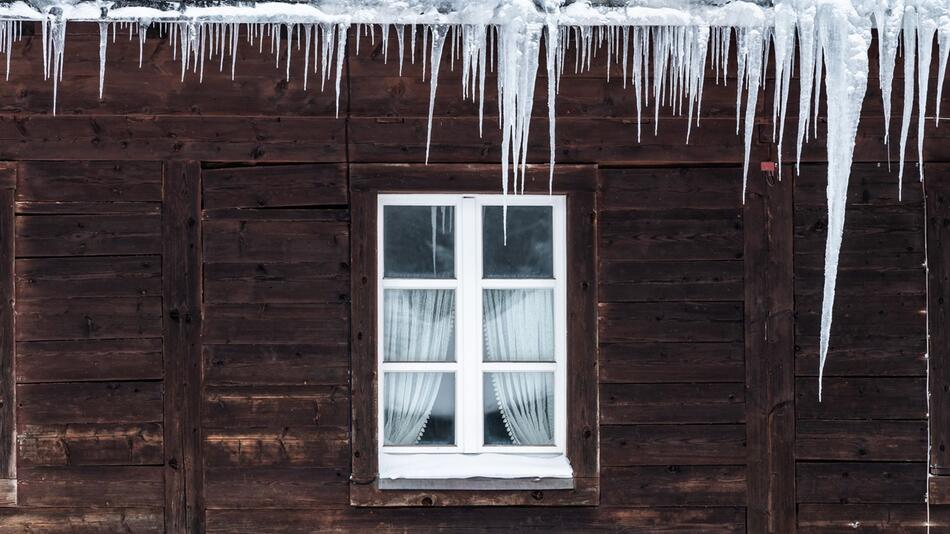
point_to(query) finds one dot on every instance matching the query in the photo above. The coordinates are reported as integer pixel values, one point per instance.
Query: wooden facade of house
(176, 280)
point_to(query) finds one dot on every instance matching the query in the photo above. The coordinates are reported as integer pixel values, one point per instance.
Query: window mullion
(468, 285)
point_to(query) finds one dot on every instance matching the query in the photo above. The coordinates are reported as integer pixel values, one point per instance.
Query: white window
(472, 337)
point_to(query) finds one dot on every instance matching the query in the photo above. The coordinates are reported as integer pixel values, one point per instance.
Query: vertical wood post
(7, 343)
(181, 294)
(938, 313)
(769, 353)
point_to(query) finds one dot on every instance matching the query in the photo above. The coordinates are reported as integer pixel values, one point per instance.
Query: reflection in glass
(518, 324)
(419, 409)
(519, 408)
(419, 325)
(529, 250)
(419, 241)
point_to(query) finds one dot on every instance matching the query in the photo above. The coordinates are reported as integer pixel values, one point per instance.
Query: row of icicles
(666, 65)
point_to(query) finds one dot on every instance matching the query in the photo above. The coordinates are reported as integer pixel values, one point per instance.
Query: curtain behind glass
(419, 326)
(519, 326)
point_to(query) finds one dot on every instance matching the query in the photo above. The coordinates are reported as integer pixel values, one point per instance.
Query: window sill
(476, 484)
(491, 466)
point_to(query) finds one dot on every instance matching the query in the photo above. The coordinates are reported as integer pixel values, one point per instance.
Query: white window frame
(469, 457)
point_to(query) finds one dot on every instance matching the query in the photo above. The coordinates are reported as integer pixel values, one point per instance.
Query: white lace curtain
(519, 326)
(418, 326)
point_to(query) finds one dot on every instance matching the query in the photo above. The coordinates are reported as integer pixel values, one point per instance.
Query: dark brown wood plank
(881, 229)
(680, 234)
(337, 520)
(671, 403)
(99, 276)
(275, 407)
(88, 208)
(871, 518)
(286, 448)
(671, 322)
(150, 137)
(675, 485)
(82, 520)
(671, 362)
(90, 402)
(275, 488)
(938, 317)
(862, 398)
(90, 444)
(861, 483)
(88, 318)
(276, 282)
(89, 360)
(181, 291)
(661, 188)
(7, 338)
(861, 440)
(90, 181)
(262, 241)
(630, 445)
(769, 354)
(870, 184)
(275, 323)
(579, 140)
(319, 364)
(100, 487)
(464, 178)
(275, 186)
(696, 281)
(87, 235)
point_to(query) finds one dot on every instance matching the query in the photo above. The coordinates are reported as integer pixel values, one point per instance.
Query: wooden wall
(181, 278)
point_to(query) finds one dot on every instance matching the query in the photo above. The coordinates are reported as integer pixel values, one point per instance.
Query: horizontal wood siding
(88, 347)
(87, 214)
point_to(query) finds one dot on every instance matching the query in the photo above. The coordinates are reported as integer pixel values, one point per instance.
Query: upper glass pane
(419, 241)
(529, 251)
(518, 325)
(419, 409)
(519, 408)
(419, 325)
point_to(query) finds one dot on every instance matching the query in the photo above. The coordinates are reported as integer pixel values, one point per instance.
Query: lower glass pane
(419, 409)
(519, 408)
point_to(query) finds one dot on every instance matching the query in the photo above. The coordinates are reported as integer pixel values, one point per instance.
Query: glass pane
(518, 325)
(419, 409)
(419, 241)
(529, 251)
(519, 408)
(419, 325)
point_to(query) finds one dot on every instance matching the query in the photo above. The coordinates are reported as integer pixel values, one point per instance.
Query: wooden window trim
(578, 183)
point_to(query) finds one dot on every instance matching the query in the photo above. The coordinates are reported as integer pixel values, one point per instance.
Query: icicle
(944, 40)
(925, 40)
(340, 57)
(888, 18)
(401, 40)
(551, 42)
(845, 38)
(308, 33)
(750, 41)
(56, 46)
(784, 41)
(103, 40)
(910, 49)
(439, 32)
(806, 73)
